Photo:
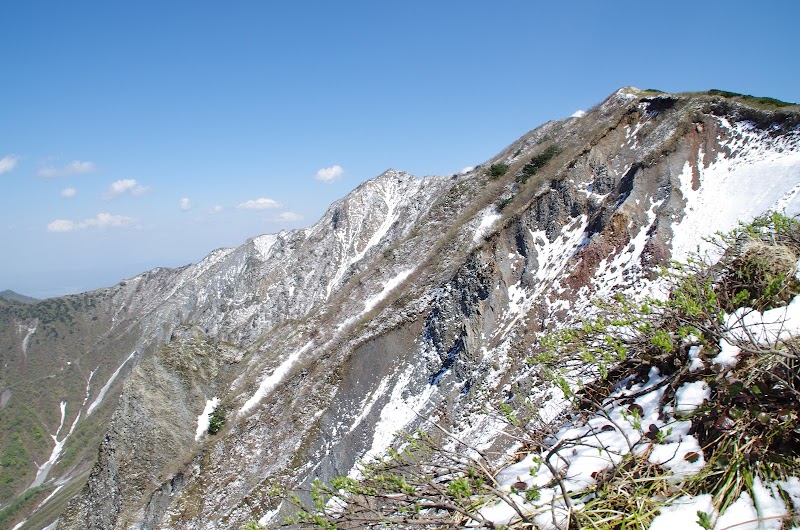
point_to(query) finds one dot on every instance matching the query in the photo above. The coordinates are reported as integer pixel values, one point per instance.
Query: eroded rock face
(153, 431)
(411, 300)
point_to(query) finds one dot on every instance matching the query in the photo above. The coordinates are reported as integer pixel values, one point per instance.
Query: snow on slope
(383, 197)
(104, 390)
(271, 381)
(761, 173)
(44, 469)
(388, 287)
(401, 409)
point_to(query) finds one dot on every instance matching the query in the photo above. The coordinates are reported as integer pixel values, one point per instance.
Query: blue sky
(143, 134)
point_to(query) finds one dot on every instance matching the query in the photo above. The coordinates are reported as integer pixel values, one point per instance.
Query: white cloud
(329, 174)
(289, 217)
(216, 209)
(186, 204)
(8, 163)
(578, 114)
(259, 204)
(101, 220)
(124, 187)
(467, 169)
(61, 225)
(69, 192)
(76, 167)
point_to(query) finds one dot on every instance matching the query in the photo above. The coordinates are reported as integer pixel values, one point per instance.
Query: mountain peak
(16, 297)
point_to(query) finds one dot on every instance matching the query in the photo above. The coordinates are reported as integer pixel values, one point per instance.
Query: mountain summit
(196, 397)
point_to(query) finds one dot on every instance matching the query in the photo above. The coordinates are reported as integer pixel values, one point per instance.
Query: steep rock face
(153, 427)
(412, 300)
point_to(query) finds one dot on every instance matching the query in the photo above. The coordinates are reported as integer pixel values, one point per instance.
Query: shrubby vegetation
(770, 102)
(502, 203)
(497, 170)
(747, 429)
(216, 420)
(537, 162)
(21, 439)
(24, 501)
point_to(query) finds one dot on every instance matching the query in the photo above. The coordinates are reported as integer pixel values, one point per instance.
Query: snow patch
(264, 244)
(765, 510)
(31, 331)
(204, 419)
(403, 408)
(695, 362)
(682, 513)
(268, 516)
(690, 396)
(488, 217)
(369, 402)
(748, 182)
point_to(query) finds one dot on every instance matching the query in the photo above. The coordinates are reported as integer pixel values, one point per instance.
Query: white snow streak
(396, 415)
(44, 469)
(273, 379)
(31, 331)
(369, 402)
(105, 388)
(388, 287)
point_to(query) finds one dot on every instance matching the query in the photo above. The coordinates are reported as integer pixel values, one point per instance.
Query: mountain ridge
(409, 297)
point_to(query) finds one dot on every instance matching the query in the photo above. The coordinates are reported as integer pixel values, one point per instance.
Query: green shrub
(497, 170)
(537, 163)
(504, 202)
(216, 421)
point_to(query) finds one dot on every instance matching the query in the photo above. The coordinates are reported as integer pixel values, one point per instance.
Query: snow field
(748, 182)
